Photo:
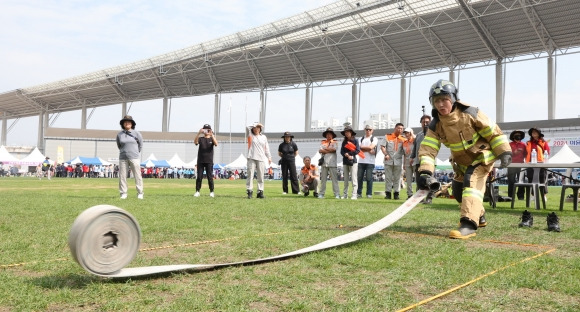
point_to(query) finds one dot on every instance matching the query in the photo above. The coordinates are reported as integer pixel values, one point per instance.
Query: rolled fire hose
(104, 239)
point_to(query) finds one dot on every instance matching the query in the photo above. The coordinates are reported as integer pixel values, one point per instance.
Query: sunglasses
(368, 129)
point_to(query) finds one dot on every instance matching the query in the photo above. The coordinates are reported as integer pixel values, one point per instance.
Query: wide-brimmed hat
(537, 129)
(287, 134)
(329, 130)
(368, 127)
(128, 118)
(206, 126)
(513, 134)
(347, 128)
(408, 129)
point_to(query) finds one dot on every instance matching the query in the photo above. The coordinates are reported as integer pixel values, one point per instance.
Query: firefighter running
(475, 143)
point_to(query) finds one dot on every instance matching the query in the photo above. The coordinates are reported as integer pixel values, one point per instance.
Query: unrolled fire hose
(104, 239)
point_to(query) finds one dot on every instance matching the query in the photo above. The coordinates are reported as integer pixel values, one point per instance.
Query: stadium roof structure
(346, 41)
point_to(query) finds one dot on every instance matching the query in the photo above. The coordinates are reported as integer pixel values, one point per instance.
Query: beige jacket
(468, 133)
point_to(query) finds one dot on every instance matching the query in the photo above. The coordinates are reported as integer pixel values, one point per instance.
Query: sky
(46, 41)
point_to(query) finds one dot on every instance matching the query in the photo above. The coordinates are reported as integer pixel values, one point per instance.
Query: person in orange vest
(537, 143)
(393, 161)
(408, 168)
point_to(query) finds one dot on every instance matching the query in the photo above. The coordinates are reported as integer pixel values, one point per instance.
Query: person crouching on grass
(475, 143)
(309, 177)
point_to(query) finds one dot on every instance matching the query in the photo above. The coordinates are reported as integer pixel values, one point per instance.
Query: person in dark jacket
(287, 150)
(349, 149)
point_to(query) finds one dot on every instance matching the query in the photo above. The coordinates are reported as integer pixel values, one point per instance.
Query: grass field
(410, 265)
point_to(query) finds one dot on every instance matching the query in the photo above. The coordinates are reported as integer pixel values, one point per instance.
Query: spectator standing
(407, 163)
(130, 144)
(393, 161)
(46, 166)
(349, 150)
(366, 165)
(258, 153)
(204, 158)
(537, 143)
(309, 177)
(519, 154)
(329, 163)
(475, 143)
(287, 150)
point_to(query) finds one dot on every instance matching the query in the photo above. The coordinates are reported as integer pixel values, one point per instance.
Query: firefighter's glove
(423, 180)
(505, 159)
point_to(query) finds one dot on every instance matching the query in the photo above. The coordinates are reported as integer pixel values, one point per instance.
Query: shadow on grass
(65, 281)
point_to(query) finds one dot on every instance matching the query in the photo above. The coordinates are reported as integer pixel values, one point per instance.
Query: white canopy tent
(151, 157)
(191, 164)
(34, 158)
(240, 163)
(176, 161)
(564, 155)
(6, 157)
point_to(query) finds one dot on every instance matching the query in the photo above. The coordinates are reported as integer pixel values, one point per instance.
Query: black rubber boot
(396, 195)
(260, 194)
(387, 195)
(250, 192)
(527, 219)
(467, 229)
(306, 193)
(315, 195)
(553, 222)
(482, 221)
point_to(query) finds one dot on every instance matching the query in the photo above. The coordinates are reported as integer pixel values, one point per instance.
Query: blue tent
(85, 160)
(218, 166)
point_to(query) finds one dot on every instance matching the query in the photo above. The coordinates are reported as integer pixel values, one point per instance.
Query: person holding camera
(205, 158)
(475, 143)
(328, 163)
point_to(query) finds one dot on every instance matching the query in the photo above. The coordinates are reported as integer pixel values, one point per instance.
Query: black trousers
(209, 172)
(513, 176)
(289, 168)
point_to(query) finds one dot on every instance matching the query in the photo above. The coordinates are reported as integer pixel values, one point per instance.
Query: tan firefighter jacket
(468, 133)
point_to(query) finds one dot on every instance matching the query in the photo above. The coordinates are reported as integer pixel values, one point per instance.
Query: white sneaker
(284, 193)
(123, 196)
(354, 197)
(197, 194)
(140, 196)
(211, 195)
(369, 196)
(337, 197)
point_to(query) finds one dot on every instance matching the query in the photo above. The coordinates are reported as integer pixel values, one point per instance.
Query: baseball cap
(207, 126)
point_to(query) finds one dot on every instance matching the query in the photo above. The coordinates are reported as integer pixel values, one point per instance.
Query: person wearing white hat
(258, 152)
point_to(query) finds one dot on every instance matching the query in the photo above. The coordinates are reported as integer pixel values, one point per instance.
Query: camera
(321, 161)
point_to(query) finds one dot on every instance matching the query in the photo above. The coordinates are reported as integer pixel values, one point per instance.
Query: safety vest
(540, 147)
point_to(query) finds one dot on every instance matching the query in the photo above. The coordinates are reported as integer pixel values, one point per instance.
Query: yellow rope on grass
(474, 280)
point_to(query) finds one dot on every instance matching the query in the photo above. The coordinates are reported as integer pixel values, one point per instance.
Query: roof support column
(41, 123)
(262, 107)
(123, 109)
(499, 84)
(165, 115)
(4, 129)
(217, 113)
(551, 88)
(84, 116)
(354, 105)
(403, 100)
(307, 110)
(452, 77)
